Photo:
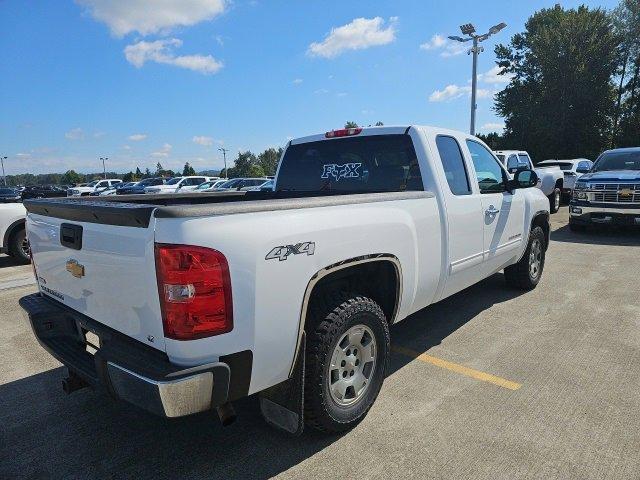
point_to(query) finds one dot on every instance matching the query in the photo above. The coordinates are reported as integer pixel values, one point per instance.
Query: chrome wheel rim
(535, 259)
(353, 363)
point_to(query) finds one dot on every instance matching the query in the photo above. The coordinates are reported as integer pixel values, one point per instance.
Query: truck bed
(137, 210)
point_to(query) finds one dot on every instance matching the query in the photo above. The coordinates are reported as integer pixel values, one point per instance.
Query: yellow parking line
(454, 367)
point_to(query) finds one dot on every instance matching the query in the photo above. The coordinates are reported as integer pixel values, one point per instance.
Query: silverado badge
(75, 268)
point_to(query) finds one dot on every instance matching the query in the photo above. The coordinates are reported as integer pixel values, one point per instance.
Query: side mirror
(524, 179)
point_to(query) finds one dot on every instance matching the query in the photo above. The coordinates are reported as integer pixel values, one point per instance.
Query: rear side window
(375, 163)
(453, 164)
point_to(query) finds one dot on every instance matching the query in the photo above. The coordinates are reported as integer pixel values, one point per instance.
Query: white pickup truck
(183, 303)
(550, 179)
(94, 187)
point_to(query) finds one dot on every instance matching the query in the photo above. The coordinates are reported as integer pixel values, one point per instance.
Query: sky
(172, 81)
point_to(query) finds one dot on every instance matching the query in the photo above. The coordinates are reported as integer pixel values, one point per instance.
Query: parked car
(610, 193)
(264, 187)
(210, 185)
(105, 191)
(551, 178)
(241, 184)
(94, 187)
(367, 226)
(138, 187)
(43, 191)
(178, 185)
(12, 232)
(572, 170)
(10, 195)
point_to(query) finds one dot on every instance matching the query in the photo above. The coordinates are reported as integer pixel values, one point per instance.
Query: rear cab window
(372, 163)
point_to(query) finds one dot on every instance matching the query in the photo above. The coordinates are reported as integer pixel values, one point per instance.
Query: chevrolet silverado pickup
(610, 193)
(550, 178)
(183, 303)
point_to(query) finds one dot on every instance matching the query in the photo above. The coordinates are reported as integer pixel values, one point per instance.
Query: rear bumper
(590, 213)
(125, 368)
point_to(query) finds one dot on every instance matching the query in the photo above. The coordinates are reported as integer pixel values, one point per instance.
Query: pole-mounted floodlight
(470, 30)
(224, 155)
(4, 178)
(104, 168)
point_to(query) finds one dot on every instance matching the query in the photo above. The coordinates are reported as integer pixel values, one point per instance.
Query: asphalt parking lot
(491, 383)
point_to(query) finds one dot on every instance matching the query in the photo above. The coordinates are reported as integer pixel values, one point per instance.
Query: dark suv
(139, 187)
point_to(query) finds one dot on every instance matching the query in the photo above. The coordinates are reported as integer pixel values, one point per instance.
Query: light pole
(104, 169)
(4, 178)
(470, 30)
(224, 156)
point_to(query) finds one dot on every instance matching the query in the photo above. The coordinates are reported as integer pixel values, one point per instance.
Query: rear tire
(19, 247)
(347, 356)
(526, 274)
(555, 199)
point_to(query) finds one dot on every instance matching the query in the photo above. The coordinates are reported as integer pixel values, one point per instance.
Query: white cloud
(126, 147)
(493, 76)
(202, 140)
(341, 94)
(161, 51)
(137, 137)
(321, 91)
(75, 134)
(297, 81)
(23, 155)
(451, 92)
(447, 48)
(148, 16)
(163, 152)
(492, 127)
(361, 33)
(437, 41)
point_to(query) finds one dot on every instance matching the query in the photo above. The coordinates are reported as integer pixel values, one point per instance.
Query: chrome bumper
(604, 214)
(167, 398)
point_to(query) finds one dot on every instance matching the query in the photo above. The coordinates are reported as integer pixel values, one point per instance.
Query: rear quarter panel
(268, 294)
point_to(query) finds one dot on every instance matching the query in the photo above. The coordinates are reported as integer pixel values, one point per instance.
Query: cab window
(490, 175)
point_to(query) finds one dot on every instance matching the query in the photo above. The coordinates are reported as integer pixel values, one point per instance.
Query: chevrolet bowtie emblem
(625, 192)
(75, 269)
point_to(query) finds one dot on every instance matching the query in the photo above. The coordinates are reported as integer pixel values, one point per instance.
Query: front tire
(19, 247)
(526, 274)
(554, 200)
(346, 361)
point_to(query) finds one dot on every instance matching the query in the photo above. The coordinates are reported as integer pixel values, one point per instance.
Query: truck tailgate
(107, 275)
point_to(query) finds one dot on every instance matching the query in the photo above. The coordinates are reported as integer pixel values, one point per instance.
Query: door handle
(491, 211)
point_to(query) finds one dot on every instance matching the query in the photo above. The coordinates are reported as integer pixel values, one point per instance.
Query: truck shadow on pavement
(47, 434)
(599, 235)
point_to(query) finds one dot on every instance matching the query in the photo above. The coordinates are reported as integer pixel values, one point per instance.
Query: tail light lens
(195, 291)
(345, 132)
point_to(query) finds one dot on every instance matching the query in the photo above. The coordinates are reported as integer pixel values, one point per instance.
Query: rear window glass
(376, 163)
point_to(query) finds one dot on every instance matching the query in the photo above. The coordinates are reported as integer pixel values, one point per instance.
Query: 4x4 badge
(282, 252)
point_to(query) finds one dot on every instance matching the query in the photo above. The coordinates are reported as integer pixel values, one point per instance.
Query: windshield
(204, 185)
(618, 161)
(230, 183)
(562, 165)
(500, 157)
(173, 181)
(92, 184)
(6, 191)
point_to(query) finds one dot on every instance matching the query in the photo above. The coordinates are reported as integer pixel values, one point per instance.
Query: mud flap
(282, 405)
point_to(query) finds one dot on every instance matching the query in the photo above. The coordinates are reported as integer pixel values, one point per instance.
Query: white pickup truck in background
(550, 179)
(288, 293)
(94, 187)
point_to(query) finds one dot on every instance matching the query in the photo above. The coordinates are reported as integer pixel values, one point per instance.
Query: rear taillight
(195, 291)
(345, 132)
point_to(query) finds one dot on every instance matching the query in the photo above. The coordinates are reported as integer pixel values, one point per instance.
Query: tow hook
(226, 413)
(72, 383)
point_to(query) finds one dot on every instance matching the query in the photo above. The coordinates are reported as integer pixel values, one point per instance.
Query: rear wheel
(527, 272)
(19, 247)
(347, 356)
(554, 200)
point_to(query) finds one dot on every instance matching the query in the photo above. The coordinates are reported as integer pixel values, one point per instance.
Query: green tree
(147, 173)
(159, 169)
(188, 170)
(128, 177)
(268, 160)
(626, 128)
(242, 165)
(351, 125)
(71, 177)
(494, 141)
(379, 124)
(138, 174)
(256, 170)
(560, 100)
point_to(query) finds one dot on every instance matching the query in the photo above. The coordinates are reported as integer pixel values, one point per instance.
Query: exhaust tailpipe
(226, 413)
